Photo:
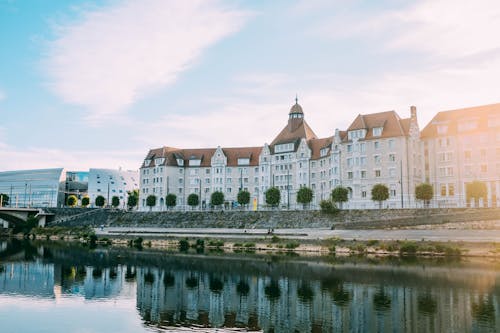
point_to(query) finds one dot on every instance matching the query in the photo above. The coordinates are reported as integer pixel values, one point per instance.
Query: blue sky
(98, 83)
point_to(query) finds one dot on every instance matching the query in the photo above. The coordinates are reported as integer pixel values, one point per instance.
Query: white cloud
(115, 55)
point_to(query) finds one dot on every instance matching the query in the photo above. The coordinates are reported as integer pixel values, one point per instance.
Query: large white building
(111, 182)
(456, 148)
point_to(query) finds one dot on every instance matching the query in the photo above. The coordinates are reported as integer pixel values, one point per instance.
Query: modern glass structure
(34, 188)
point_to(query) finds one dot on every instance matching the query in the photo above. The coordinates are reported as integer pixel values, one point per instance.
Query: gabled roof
(452, 118)
(390, 121)
(286, 135)
(317, 144)
(204, 154)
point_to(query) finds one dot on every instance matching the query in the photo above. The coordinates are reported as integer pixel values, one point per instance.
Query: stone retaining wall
(345, 219)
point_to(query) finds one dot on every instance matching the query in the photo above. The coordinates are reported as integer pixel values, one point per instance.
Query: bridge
(16, 215)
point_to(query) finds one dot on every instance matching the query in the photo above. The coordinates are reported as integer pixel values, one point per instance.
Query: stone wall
(345, 219)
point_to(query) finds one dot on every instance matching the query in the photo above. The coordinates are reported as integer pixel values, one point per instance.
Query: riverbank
(304, 241)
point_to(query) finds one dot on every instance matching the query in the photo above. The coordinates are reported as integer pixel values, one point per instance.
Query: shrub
(380, 193)
(328, 207)
(85, 201)
(243, 197)
(193, 200)
(171, 200)
(183, 245)
(273, 196)
(292, 245)
(217, 198)
(304, 196)
(247, 245)
(100, 201)
(372, 242)
(151, 201)
(115, 201)
(340, 195)
(72, 200)
(409, 248)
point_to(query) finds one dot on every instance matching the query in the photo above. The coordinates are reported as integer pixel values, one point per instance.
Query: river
(63, 287)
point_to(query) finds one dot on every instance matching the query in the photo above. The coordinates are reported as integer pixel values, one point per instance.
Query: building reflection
(191, 298)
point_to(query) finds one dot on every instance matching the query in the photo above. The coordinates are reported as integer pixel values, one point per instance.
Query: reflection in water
(277, 295)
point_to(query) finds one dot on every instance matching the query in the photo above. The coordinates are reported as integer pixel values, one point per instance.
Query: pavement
(441, 235)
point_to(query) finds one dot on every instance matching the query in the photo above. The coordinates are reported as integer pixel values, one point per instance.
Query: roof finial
(296, 99)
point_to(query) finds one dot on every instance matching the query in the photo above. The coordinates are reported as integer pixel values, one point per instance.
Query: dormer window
(195, 162)
(377, 131)
(283, 147)
(356, 134)
(180, 162)
(243, 161)
(442, 129)
(323, 152)
(159, 161)
(147, 162)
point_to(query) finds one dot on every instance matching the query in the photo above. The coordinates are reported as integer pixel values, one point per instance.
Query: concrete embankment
(344, 219)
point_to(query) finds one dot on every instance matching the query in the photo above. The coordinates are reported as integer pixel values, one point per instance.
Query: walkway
(442, 235)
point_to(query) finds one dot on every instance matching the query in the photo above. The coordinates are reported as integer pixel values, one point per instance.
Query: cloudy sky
(97, 83)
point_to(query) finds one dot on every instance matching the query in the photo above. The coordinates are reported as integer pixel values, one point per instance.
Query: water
(65, 288)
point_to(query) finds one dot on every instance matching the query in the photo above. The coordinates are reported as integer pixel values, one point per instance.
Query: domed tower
(295, 116)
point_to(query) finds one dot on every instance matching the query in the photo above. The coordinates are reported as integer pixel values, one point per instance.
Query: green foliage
(243, 197)
(304, 196)
(115, 201)
(183, 245)
(193, 200)
(273, 196)
(72, 200)
(25, 227)
(171, 200)
(85, 201)
(340, 194)
(133, 199)
(100, 201)
(476, 190)
(380, 193)
(328, 207)
(217, 198)
(424, 192)
(151, 201)
(216, 243)
(408, 248)
(4, 200)
(292, 245)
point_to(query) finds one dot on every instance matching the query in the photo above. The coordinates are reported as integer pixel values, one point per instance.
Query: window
(392, 172)
(362, 147)
(377, 173)
(451, 189)
(180, 162)
(323, 152)
(376, 159)
(243, 161)
(377, 131)
(207, 171)
(363, 174)
(482, 153)
(349, 175)
(392, 157)
(362, 160)
(147, 162)
(443, 190)
(467, 155)
(349, 148)
(393, 192)
(376, 145)
(391, 144)
(484, 168)
(442, 129)
(284, 147)
(349, 162)
(159, 161)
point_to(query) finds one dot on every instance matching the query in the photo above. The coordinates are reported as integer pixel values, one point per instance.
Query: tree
(424, 192)
(304, 196)
(476, 190)
(151, 201)
(273, 196)
(243, 197)
(380, 193)
(340, 195)
(193, 200)
(217, 198)
(72, 200)
(171, 200)
(133, 199)
(85, 201)
(100, 201)
(4, 200)
(115, 201)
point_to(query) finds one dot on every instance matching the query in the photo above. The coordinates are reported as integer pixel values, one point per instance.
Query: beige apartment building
(455, 148)
(461, 146)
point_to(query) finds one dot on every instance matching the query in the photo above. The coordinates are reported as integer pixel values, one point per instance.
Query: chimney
(413, 112)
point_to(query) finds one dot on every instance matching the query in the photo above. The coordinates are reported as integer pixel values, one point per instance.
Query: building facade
(461, 146)
(376, 148)
(111, 182)
(34, 188)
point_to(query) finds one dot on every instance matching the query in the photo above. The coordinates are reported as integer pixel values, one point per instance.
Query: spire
(296, 99)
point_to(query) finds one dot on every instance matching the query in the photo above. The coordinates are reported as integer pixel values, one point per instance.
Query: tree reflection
(381, 301)
(97, 273)
(242, 288)
(215, 285)
(113, 273)
(305, 293)
(192, 282)
(427, 305)
(335, 287)
(484, 310)
(130, 274)
(168, 280)
(149, 277)
(272, 290)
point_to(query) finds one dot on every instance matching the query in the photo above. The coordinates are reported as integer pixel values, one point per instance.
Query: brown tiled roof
(286, 136)
(451, 118)
(317, 144)
(392, 124)
(205, 155)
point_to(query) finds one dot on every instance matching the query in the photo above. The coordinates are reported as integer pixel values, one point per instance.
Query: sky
(96, 84)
